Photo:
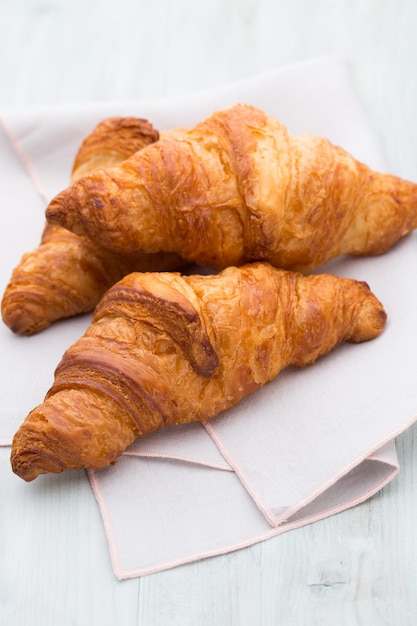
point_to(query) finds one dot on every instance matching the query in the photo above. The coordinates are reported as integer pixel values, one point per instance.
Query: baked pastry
(166, 349)
(67, 274)
(238, 188)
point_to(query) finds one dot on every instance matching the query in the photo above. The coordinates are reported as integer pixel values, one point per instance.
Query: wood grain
(356, 568)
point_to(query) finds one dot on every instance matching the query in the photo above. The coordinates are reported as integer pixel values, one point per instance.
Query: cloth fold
(311, 443)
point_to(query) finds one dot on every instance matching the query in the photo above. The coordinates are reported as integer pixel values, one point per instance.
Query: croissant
(67, 274)
(166, 349)
(239, 188)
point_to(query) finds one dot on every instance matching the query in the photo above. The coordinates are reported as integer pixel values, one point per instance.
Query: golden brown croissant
(239, 188)
(167, 349)
(67, 274)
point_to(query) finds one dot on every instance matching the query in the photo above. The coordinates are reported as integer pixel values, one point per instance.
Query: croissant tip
(20, 322)
(30, 456)
(371, 321)
(22, 311)
(29, 464)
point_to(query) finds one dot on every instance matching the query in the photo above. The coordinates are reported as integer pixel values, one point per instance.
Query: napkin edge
(125, 574)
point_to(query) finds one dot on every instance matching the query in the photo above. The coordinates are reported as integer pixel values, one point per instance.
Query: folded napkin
(311, 443)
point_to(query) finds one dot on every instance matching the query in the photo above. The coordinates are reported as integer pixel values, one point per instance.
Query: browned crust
(66, 275)
(113, 140)
(166, 349)
(239, 188)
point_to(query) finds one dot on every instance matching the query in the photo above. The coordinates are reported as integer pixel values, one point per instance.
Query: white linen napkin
(311, 443)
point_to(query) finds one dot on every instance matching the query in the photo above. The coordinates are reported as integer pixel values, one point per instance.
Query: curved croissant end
(167, 349)
(239, 188)
(66, 274)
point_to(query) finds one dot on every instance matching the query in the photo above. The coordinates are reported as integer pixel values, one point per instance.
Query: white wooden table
(358, 567)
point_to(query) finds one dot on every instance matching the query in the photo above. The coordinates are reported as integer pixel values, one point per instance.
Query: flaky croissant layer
(167, 349)
(66, 274)
(239, 188)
